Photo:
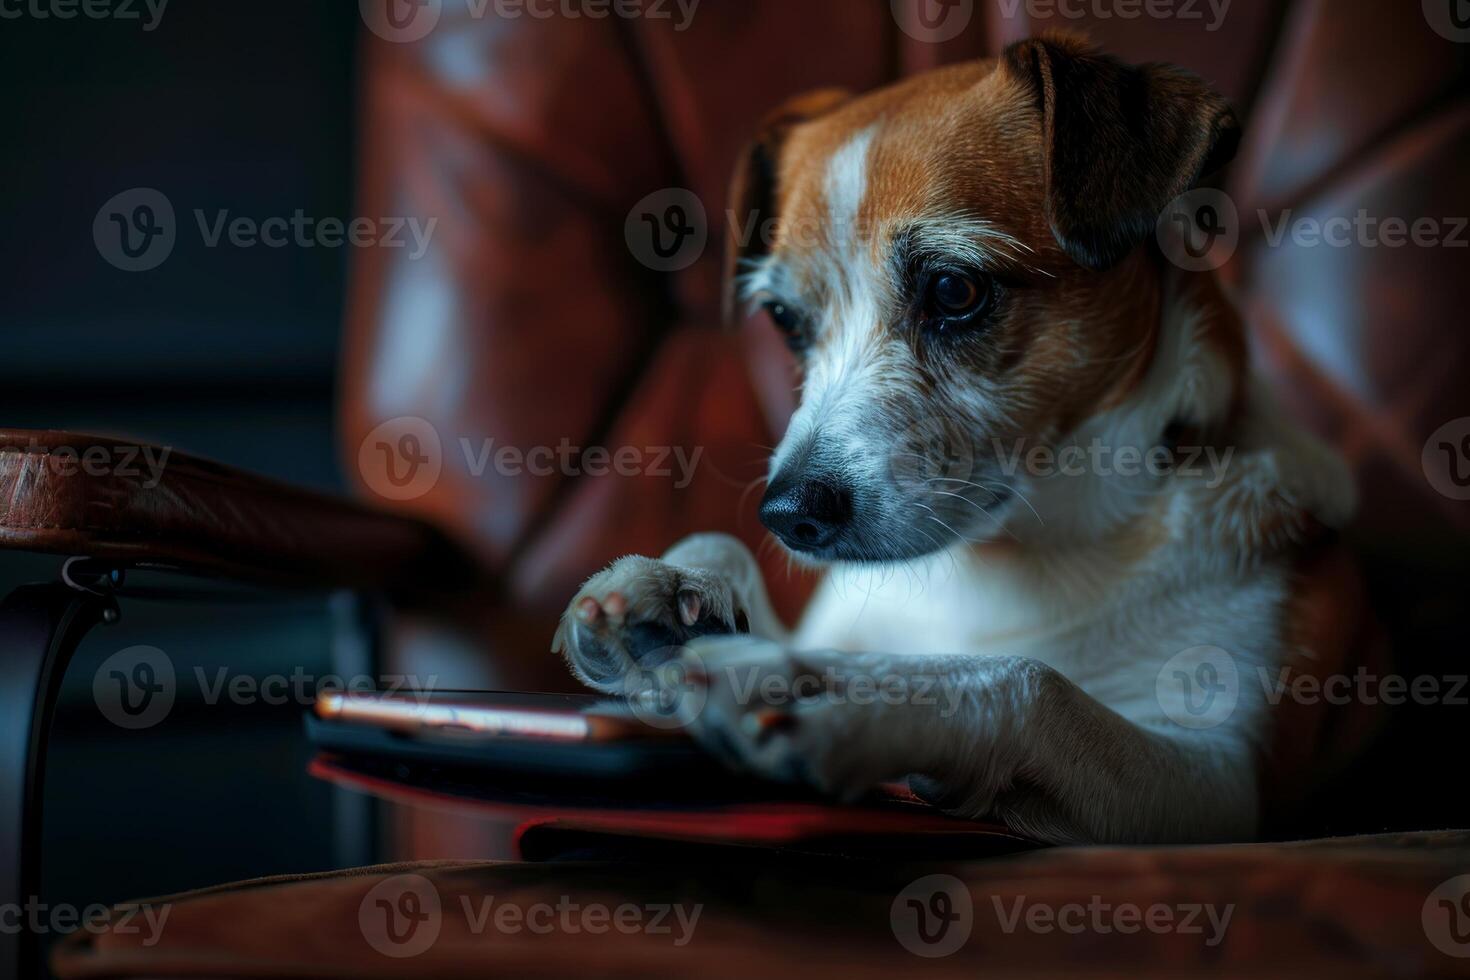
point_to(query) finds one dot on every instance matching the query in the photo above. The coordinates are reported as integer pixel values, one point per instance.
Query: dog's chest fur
(1108, 631)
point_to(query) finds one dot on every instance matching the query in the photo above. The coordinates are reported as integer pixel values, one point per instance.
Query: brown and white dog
(966, 264)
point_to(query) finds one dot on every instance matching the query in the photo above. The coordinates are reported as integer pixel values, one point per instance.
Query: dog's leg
(637, 612)
(1004, 737)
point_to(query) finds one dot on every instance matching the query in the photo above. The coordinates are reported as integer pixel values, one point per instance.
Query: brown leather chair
(531, 322)
(534, 140)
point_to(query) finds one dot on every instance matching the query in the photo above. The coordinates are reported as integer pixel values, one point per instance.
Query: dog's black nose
(807, 515)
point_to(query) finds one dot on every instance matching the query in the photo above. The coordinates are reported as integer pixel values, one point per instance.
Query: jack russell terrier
(966, 265)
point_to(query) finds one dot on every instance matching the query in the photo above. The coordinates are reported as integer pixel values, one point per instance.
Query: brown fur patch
(968, 140)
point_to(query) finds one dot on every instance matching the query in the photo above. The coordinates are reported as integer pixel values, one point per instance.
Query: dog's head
(957, 261)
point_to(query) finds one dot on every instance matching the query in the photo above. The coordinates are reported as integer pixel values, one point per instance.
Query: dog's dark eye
(789, 322)
(953, 298)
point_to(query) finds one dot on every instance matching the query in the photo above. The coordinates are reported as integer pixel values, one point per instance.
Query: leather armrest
(119, 500)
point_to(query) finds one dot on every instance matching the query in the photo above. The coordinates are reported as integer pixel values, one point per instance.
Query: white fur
(1066, 600)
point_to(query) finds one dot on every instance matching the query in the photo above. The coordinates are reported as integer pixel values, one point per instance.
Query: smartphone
(534, 734)
(558, 717)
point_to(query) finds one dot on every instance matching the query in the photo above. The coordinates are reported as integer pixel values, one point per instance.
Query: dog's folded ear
(1121, 141)
(753, 189)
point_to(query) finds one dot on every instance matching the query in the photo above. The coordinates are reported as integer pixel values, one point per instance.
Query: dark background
(225, 352)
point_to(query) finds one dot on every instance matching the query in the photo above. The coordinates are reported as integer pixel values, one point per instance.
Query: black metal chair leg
(40, 628)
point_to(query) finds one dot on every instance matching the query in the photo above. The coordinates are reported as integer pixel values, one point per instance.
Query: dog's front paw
(638, 613)
(793, 717)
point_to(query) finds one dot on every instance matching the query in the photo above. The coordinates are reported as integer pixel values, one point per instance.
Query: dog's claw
(587, 610)
(689, 606)
(616, 607)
